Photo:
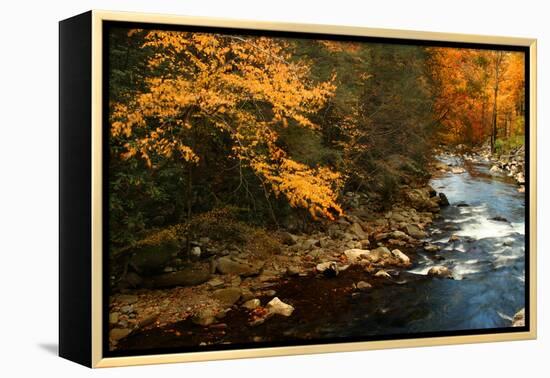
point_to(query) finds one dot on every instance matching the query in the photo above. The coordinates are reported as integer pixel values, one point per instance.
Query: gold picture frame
(93, 264)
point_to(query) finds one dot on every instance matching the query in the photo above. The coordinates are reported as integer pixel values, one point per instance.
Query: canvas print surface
(275, 189)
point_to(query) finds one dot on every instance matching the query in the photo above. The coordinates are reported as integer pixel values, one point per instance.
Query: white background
(29, 189)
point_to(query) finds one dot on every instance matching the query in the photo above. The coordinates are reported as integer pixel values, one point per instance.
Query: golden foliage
(245, 87)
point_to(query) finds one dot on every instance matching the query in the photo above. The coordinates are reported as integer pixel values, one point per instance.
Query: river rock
(443, 200)
(293, 271)
(440, 271)
(362, 285)
(117, 334)
(431, 248)
(498, 218)
(399, 235)
(454, 238)
(288, 238)
(415, 231)
(380, 254)
(252, 304)
(356, 229)
(205, 317)
(126, 298)
(383, 274)
(401, 256)
(329, 268)
(226, 265)
(457, 170)
(519, 319)
(113, 317)
(228, 296)
(189, 276)
(276, 306)
(355, 255)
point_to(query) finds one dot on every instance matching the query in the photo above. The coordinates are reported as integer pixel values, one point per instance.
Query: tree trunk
(498, 60)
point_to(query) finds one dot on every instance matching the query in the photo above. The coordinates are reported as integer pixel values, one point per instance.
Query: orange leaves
(313, 189)
(245, 87)
(467, 79)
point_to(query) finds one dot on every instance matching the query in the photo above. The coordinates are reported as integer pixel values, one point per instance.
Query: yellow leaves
(242, 86)
(313, 189)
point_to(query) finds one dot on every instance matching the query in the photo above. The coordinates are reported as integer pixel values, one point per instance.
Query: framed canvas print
(235, 189)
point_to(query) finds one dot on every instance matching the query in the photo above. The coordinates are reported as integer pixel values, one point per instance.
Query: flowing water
(487, 262)
(488, 288)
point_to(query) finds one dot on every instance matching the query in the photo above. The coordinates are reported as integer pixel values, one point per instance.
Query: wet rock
(519, 319)
(380, 254)
(498, 218)
(399, 235)
(457, 170)
(431, 248)
(205, 317)
(228, 296)
(293, 271)
(356, 229)
(288, 238)
(215, 282)
(401, 256)
(117, 334)
(148, 320)
(127, 299)
(113, 317)
(362, 285)
(252, 304)
(454, 238)
(278, 307)
(520, 178)
(196, 252)
(462, 204)
(440, 271)
(329, 269)
(415, 231)
(310, 244)
(382, 274)
(190, 276)
(443, 200)
(355, 255)
(226, 265)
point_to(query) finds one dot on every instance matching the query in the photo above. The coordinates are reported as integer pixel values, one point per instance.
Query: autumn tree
(241, 90)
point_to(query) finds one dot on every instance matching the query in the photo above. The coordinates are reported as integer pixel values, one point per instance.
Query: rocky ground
(206, 290)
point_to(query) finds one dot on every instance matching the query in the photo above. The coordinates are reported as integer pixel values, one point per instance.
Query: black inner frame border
(108, 25)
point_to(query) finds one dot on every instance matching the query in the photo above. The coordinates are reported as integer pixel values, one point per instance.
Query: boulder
(293, 271)
(355, 255)
(117, 334)
(362, 285)
(415, 231)
(431, 248)
(278, 307)
(205, 317)
(329, 268)
(401, 256)
(443, 200)
(379, 255)
(288, 238)
(226, 265)
(383, 274)
(440, 272)
(519, 319)
(228, 296)
(399, 235)
(190, 276)
(252, 304)
(356, 229)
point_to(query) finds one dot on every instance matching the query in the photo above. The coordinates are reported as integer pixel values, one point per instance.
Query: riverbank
(242, 298)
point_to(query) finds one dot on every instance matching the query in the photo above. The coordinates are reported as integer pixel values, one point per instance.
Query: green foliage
(506, 146)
